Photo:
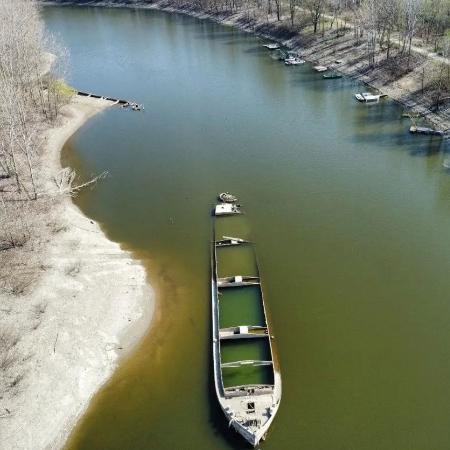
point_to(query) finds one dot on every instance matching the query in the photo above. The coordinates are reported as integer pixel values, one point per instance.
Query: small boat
(320, 68)
(425, 130)
(227, 209)
(226, 197)
(367, 97)
(446, 164)
(332, 75)
(272, 46)
(248, 387)
(293, 61)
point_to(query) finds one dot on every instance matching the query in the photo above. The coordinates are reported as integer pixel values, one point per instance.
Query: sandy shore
(89, 306)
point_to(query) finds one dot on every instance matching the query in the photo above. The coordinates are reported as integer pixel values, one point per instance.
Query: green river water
(350, 213)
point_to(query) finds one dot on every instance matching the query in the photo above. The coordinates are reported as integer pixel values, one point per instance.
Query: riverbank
(387, 76)
(87, 305)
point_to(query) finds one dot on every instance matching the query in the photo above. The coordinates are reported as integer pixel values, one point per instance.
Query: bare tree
(388, 16)
(292, 9)
(410, 14)
(27, 95)
(369, 19)
(29, 98)
(440, 81)
(315, 9)
(278, 9)
(335, 6)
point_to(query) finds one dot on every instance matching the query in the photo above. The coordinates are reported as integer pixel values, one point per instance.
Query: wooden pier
(123, 103)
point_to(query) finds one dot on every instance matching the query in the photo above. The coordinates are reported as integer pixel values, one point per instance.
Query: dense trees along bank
(28, 98)
(30, 101)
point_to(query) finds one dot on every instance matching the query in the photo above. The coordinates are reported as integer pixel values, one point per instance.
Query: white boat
(425, 130)
(227, 209)
(272, 46)
(251, 403)
(320, 68)
(293, 61)
(367, 97)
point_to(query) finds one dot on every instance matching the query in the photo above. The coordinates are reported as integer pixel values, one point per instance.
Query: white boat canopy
(226, 208)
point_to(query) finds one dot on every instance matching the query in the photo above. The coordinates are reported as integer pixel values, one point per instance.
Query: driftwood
(66, 178)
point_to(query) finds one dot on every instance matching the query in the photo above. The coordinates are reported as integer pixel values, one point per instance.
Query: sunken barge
(246, 374)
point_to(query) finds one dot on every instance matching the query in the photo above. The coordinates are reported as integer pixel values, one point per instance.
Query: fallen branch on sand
(66, 177)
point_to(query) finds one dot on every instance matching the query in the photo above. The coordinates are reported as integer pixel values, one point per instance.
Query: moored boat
(227, 209)
(425, 130)
(293, 61)
(367, 97)
(246, 375)
(272, 46)
(320, 68)
(226, 197)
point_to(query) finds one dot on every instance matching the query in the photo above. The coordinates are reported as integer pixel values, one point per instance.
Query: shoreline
(402, 90)
(71, 336)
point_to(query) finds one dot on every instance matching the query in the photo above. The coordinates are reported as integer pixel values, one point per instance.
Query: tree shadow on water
(418, 146)
(427, 149)
(377, 114)
(256, 51)
(214, 35)
(315, 81)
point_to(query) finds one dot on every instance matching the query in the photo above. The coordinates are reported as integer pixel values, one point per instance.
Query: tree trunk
(388, 40)
(409, 50)
(292, 11)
